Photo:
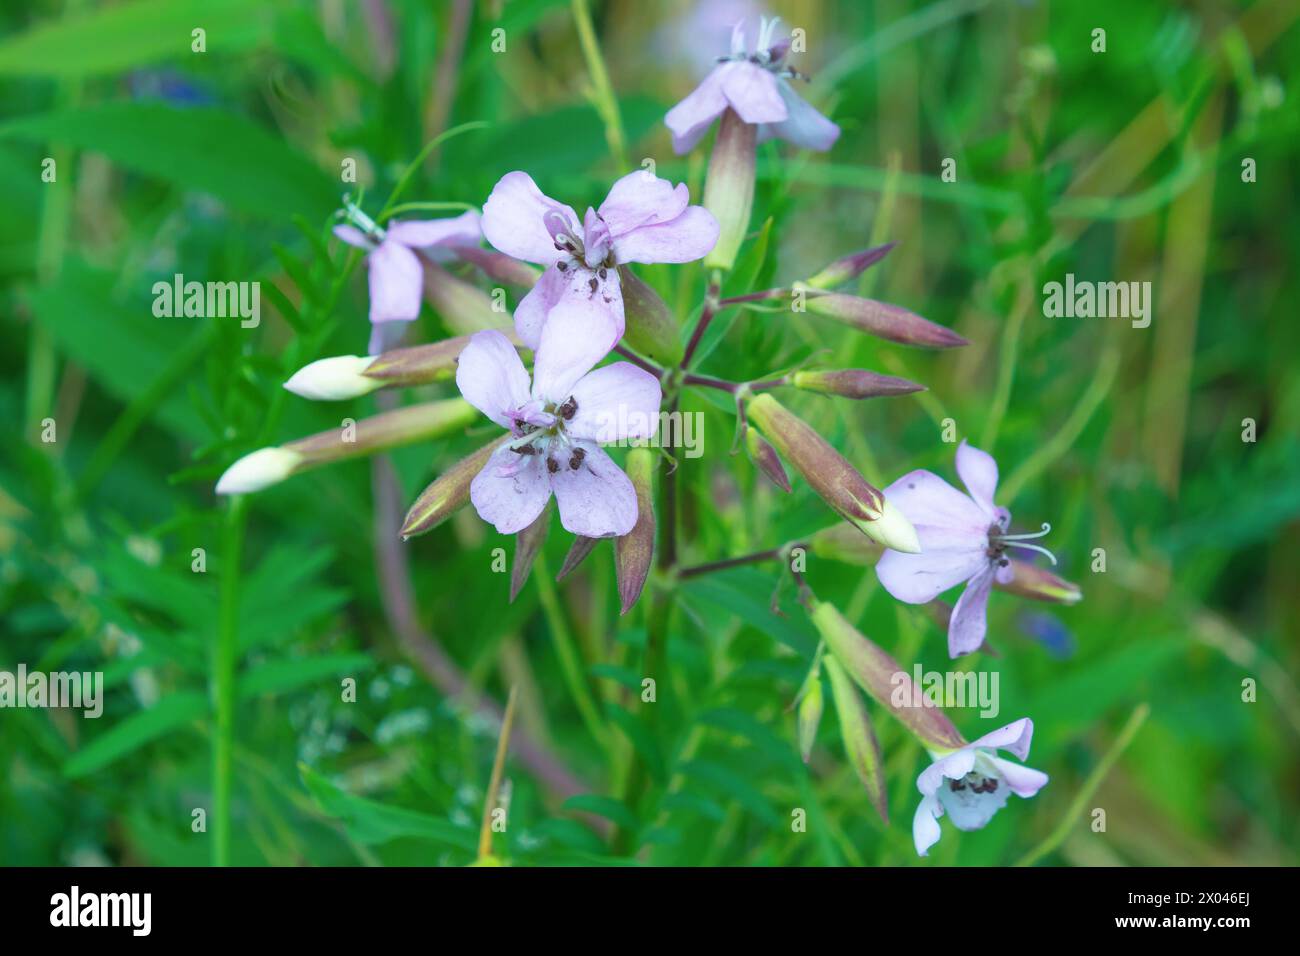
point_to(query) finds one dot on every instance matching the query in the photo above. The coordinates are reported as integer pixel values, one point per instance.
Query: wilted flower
(755, 85)
(643, 219)
(962, 537)
(973, 783)
(396, 273)
(555, 427)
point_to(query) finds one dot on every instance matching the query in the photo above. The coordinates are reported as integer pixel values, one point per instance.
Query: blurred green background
(1125, 165)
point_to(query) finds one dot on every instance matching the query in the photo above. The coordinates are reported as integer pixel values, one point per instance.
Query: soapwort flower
(972, 783)
(554, 430)
(396, 272)
(643, 219)
(963, 538)
(756, 86)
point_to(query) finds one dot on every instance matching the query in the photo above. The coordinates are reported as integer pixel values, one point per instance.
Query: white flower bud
(257, 470)
(333, 379)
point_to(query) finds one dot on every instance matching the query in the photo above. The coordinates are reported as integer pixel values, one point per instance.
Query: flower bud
(650, 326)
(849, 267)
(1038, 584)
(811, 705)
(729, 188)
(885, 681)
(859, 737)
(498, 266)
(465, 308)
(527, 543)
(422, 364)
(765, 457)
(880, 319)
(634, 551)
(334, 379)
(448, 493)
(257, 470)
(853, 383)
(844, 543)
(829, 473)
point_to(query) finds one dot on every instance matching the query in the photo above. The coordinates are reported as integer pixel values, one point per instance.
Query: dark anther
(956, 785)
(594, 284)
(568, 409)
(575, 461)
(561, 266)
(525, 450)
(602, 272)
(552, 465)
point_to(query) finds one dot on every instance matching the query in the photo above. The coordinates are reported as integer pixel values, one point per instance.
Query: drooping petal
(1014, 737)
(1023, 781)
(979, 473)
(464, 229)
(530, 314)
(616, 402)
(396, 281)
(514, 219)
(491, 377)
(596, 499)
(580, 330)
(689, 237)
(353, 236)
(753, 92)
(969, 622)
(642, 199)
(925, 824)
(803, 125)
(918, 578)
(511, 490)
(690, 119)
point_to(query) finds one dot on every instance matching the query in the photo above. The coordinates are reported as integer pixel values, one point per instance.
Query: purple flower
(963, 538)
(556, 426)
(973, 783)
(643, 219)
(396, 274)
(756, 86)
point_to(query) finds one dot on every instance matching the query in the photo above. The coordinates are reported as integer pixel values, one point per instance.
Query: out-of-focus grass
(1119, 166)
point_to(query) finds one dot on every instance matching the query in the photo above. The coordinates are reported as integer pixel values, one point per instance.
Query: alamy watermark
(78, 690)
(1082, 299)
(212, 300)
(946, 689)
(675, 429)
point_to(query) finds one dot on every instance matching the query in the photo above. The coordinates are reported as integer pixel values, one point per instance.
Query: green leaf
(276, 677)
(199, 149)
(744, 594)
(370, 822)
(613, 810)
(170, 713)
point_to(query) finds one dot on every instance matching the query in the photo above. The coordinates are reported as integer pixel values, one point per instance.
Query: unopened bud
(1038, 584)
(334, 379)
(765, 457)
(859, 736)
(650, 326)
(729, 188)
(257, 470)
(829, 473)
(465, 308)
(880, 319)
(843, 542)
(849, 267)
(885, 681)
(421, 364)
(853, 383)
(499, 266)
(811, 705)
(527, 543)
(448, 493)
(634, 551)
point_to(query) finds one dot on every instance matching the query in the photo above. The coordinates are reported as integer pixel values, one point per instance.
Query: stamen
(1047, 528)
(1018, 541)
(1033, 547)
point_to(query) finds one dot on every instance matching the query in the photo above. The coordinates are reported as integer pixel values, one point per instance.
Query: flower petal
(918, 578)
(642, 199)
(1014, 737)
(753, 92)
(925, 824)
(596, 499)
(491, 377)
(952, 766)
(595, 237)
(688, 237)
(353, 236)
(580, 330)
(617, 402)
(1023, 781)
(531, 312)
(969, 622)
(803, 126)
(396, 282)
(514, 219)
(385, 336)
(511, 490)
(979, 473)
(971, 810)
(690, 119)
(420, 234)
(928, 501)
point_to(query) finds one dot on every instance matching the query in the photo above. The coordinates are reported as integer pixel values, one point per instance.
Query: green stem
(225, 655)
(602, 92)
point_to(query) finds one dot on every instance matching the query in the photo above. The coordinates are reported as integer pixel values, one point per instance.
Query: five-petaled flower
(973, 783)
(578, 301)
(555, 428)
(755, 85)
(396, 273)
(963, 538)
